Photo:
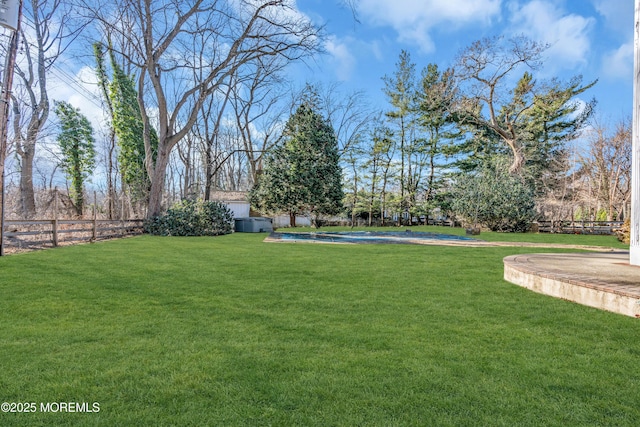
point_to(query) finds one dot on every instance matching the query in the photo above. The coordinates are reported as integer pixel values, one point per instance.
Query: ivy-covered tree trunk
(77, 146)
(103, 84)
(78, 184)
(129, 129)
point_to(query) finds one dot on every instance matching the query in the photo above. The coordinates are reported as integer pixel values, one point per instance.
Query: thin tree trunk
(110, 185)
(402, 184)
(373, 189)
(355, 195)
(208, 175)
(384, 198)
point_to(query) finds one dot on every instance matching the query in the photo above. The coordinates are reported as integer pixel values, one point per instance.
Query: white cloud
(414, 20)
(376, 50)
(619, 17)
(619, 62)
(79, 90)
(618, 14)
(342, 59)
(567, 34)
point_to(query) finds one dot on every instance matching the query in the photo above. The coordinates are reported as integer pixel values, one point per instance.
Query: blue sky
(593, 38)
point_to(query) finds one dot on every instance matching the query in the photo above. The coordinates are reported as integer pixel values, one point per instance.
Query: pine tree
(401, 92)
(302, 175)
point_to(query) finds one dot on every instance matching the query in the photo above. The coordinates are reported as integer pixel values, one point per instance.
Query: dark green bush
(192, 218)
(494, 199)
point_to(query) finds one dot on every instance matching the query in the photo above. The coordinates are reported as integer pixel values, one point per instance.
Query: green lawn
(233, 331)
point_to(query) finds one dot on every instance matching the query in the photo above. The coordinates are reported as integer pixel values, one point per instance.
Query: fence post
(95, 217)
(121, 232)
(55, 217)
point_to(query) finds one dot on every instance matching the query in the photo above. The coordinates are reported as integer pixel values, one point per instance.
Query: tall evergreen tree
(434, 105)
(302, 175)
(77, 145)
(401, 92)
(555, 118)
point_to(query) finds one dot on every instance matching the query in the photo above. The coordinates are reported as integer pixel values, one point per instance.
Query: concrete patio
(602, 280)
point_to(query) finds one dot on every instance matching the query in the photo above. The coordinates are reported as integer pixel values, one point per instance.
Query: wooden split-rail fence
(577, 227)
(24, 234)
(31, 234)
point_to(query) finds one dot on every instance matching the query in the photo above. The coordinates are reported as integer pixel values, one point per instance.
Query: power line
(73, 82)
(66, 78)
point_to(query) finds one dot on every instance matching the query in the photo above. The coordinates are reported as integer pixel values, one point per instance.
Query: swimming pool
(368, 237)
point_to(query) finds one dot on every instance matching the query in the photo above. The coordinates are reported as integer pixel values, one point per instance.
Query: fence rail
(577, 227)
(26, 234)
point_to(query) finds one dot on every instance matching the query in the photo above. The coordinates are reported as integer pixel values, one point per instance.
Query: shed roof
(230, 196)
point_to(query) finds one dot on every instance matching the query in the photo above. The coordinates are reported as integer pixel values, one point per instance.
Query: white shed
(236, 201)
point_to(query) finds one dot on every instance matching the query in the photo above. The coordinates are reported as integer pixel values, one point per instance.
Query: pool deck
(604, 280)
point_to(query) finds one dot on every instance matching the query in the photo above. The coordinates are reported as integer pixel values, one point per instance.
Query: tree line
(196, 99)
(486, 142)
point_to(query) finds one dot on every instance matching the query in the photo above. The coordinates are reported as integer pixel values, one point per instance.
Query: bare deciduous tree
(161, 34)
(45, 36)
(607, 166)
(259, 114)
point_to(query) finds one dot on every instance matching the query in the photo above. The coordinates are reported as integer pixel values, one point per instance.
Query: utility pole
(10, 17)
(634, 250)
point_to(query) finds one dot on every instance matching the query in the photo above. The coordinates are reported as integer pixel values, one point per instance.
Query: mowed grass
(232, 331)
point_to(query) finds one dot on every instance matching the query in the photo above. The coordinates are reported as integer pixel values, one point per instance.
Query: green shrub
(494, 199)
(192, 218)
(602, 215)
